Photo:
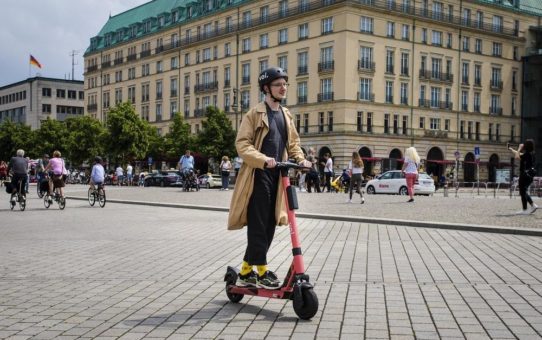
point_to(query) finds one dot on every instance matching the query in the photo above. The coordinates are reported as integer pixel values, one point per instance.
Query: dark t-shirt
(526, 162)
(274, 142)
(18, 165)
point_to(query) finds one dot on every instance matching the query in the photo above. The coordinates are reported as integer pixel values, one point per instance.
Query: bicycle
(98, 193)
(42, 185)
(17, 197)
(48, 199)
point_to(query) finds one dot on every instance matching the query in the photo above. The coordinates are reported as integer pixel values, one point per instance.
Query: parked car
(210, 181)
(394, 182)
(163, 179)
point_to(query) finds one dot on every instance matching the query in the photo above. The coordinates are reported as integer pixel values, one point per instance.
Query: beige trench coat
(253, 129)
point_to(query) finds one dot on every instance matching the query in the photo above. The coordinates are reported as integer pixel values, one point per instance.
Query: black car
(164, 179)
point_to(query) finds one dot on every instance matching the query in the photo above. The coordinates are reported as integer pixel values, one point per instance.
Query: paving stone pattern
(133, 272)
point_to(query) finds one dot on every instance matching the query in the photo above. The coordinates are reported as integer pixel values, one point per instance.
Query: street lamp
(235, 107)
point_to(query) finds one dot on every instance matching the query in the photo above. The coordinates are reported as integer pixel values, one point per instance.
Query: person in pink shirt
(57, 170)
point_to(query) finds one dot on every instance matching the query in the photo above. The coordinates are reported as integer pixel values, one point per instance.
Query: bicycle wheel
(46, 201)
(40, 193)
(62, 203)
(101, 197)
(91, 197)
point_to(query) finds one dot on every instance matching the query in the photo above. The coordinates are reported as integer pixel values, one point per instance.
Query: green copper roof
(526, 6)
(151, 17)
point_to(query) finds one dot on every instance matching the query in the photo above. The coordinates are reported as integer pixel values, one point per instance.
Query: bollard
(446, 189)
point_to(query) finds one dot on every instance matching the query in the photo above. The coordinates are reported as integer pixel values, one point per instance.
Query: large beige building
(35, 99)
(373, 76)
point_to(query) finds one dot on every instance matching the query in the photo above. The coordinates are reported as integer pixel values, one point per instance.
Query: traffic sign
(477, 152)
(457, 155)
(149, 160)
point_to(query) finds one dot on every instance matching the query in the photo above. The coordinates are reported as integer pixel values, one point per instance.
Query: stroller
(190, 180)
(341, 183)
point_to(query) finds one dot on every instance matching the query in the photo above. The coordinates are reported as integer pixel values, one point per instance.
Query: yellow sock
(245, 268)
(261, 269)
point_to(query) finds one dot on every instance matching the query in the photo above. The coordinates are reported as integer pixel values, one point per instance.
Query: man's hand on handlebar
(270, 162)
(305, 163)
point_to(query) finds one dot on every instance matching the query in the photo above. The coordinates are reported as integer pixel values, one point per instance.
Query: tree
(85, 139)
(51, 136)
(128, 138)
(157, 148)
(14, 136)
(217, 137)
(179, 138)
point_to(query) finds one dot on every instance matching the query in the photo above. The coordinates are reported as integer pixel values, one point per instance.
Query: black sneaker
(249, 280)
(268, 281)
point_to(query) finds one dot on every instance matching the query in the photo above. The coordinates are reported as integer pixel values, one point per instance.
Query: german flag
(34, 61)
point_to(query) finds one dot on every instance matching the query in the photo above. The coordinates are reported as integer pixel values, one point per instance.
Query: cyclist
(40, 167)
(97, 176)
(58, 169)
(19, 167)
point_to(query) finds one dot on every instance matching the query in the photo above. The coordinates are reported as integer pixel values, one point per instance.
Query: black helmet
(98, 159)
(270, 74)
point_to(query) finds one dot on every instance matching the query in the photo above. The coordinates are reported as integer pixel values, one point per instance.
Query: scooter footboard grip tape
(292, 198)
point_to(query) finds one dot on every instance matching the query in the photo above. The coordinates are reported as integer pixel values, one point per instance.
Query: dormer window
(174, 16)
(107, 40)
(133, 31)
(147, 26)
(161, 21)
(189, 12)
(120, 35)
(93, 43)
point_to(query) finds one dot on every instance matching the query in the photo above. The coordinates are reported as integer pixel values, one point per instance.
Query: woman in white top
(225, 167)
(410, 170)
(355, 170)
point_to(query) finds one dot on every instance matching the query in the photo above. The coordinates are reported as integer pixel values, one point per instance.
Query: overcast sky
(50, 30)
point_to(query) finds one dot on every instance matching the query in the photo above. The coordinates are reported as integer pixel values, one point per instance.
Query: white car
(394, 182)
(210, 181)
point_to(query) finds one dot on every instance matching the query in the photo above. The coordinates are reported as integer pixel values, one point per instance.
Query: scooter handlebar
(290, 165)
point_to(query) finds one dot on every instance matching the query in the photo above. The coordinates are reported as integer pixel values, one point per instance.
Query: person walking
(328, 171)
(355, 170)
(237, 162)
(129, 174)
(527, 172)
(3, 172)
(119, 172)
(410, 170)
(225, 167)
(267, 135)
(313, 179)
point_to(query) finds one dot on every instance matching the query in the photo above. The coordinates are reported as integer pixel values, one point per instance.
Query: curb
(345, 218)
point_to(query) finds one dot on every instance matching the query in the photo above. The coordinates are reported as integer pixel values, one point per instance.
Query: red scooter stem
(299, 265)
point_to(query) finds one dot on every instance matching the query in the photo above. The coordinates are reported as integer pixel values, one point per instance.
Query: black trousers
(261, 216)
(312, 180)
(524, 182)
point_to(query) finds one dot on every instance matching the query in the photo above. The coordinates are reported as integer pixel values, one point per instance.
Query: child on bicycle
(97, 175)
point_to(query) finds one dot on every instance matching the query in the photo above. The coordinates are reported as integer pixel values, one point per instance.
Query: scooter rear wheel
(309, 307)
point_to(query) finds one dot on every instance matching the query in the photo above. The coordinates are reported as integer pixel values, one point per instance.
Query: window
(366, 58)
(206, 54)
(327, 25)
(424, 35)
(479, 19)
(366, 25)
(302, 62)
(264, 40)
(389, 61)
(283, 62)
(186, 59)
(330, 121)
(369, 122)
(283, 8)
(478, 75)
(303, 31)
(46, 108)
(498, 132)
(359, 122)
(105, 100)
(436, 68)
(159, 67)
(227, 49)
(449, 41)
(227, 76)
(386, 123)
(514, 80)
(477, 102)
(60, 93)
(422, 93)
(422, 122)
(466, 44)
(404, 93)
(435, 97)
(465, 73)
(145, 92)
(462, 129)
(365, 89)
(389, 91)
(390, 29)
(174, 89)
(131, 94)
(263, 64)
(438, 10)
(405, 125)
(465, 17)
(302, 92)
(247, 19)
(326, 88)
(495, 106)
(145, 70)
(405, 32)
(478, 46)
(404, 64)
(172, 108)
(283, 36)
(437, 38)
(246, 45)
(304, 5)
(264, 14)
(46, 92)
(159, 90)
(516, 53)
(174, 63)
(447, 125)
(158, 112)
(497, 49)
(434, 123)
(469, 130)
(245, 70)
(465, 101)
(497, 23)
(490, 132)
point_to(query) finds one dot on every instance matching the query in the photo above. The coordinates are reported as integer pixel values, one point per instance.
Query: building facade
(372, 76)
(35, 99)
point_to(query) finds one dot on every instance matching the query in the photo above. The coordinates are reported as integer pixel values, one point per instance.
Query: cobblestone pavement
(131, 272)
(467, 208)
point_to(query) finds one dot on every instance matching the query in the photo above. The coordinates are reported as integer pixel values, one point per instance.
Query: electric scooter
(296, 285)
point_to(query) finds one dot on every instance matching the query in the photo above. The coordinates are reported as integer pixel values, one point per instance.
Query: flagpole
(29, 67)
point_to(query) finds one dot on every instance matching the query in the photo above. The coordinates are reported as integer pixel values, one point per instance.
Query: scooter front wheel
(231, 278)
(306, 306)
(235, 298)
